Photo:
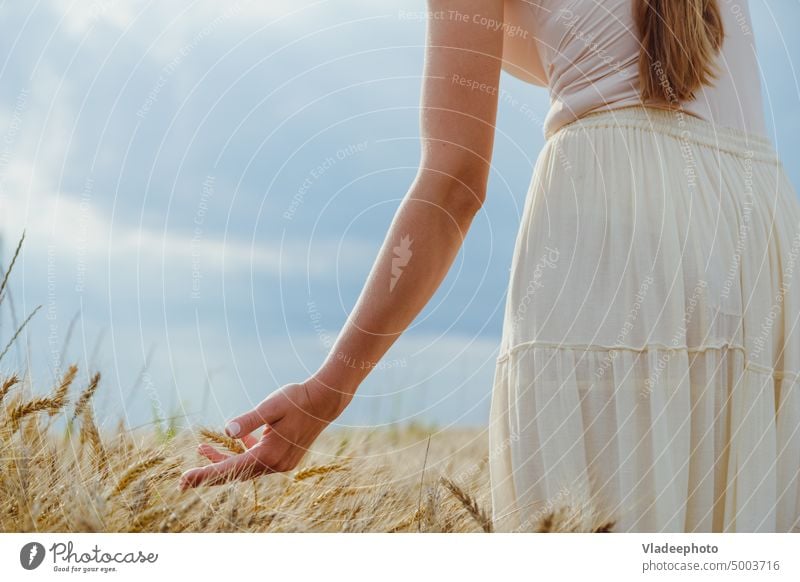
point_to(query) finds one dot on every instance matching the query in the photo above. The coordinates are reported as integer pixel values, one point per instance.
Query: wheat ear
(309, 472)
(135, 472)
(20, 411)
(233, 445)
(7, 386)
(86, 395)
(470, 504)
(90, 434)
(60, 394)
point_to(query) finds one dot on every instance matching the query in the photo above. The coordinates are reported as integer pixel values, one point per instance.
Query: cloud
(183, 20)
(72, 225)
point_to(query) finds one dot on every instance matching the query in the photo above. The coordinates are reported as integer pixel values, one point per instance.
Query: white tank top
(587, 52)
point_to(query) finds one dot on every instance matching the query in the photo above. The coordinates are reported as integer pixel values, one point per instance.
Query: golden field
(60, 473)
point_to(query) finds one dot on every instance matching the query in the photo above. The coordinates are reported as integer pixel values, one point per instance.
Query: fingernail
(233, 428)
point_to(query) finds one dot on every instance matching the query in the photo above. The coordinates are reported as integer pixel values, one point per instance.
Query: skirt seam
(748, 365)
(698, 131)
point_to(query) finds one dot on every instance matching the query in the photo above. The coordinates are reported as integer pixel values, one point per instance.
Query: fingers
(266, 412)
(244, 466)
(211, 453)
(249, 441)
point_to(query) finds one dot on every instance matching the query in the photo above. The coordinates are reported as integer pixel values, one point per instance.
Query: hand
(293, 417)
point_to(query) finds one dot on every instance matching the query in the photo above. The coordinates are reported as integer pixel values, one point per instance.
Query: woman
(653, 369)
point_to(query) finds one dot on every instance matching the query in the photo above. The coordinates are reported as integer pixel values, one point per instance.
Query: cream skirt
(651, 342)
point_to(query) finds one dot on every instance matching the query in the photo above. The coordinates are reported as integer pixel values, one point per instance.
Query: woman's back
(587, 53)
(653, 373)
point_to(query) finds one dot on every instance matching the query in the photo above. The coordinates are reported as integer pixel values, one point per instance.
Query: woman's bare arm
(458, 110)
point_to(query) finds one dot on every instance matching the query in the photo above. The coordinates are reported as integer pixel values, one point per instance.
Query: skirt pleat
(651, 340)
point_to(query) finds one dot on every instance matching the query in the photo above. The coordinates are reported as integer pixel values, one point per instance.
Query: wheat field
(61, 472)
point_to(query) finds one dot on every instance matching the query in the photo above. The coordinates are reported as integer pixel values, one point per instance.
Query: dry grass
(58, 479)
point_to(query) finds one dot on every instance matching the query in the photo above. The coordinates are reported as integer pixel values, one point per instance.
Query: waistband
(678, 124)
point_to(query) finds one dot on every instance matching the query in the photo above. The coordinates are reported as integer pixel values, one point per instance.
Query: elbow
(459, 190)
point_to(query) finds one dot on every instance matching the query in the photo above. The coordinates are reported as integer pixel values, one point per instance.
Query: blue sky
(205, 185)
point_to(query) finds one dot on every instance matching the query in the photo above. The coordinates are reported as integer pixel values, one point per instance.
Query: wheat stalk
(86, 395)
(470, 504)
(19, 331)
(7, 385)
(20, 411)
(604, 527)
(31, 434)
(309, 472)
(233, 445)
(175, 521)
(135, 472)
(11, 266)
(50, 404)
(213, 508)
(409, 521)
(337, 491)
(90, 434)
(147, 517)
(573, 519)
(171, 470)
(60, 394)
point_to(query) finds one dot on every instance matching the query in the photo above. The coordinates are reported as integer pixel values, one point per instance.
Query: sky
(204, 186)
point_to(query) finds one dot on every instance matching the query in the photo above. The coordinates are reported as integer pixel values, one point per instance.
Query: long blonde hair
(680, 40)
